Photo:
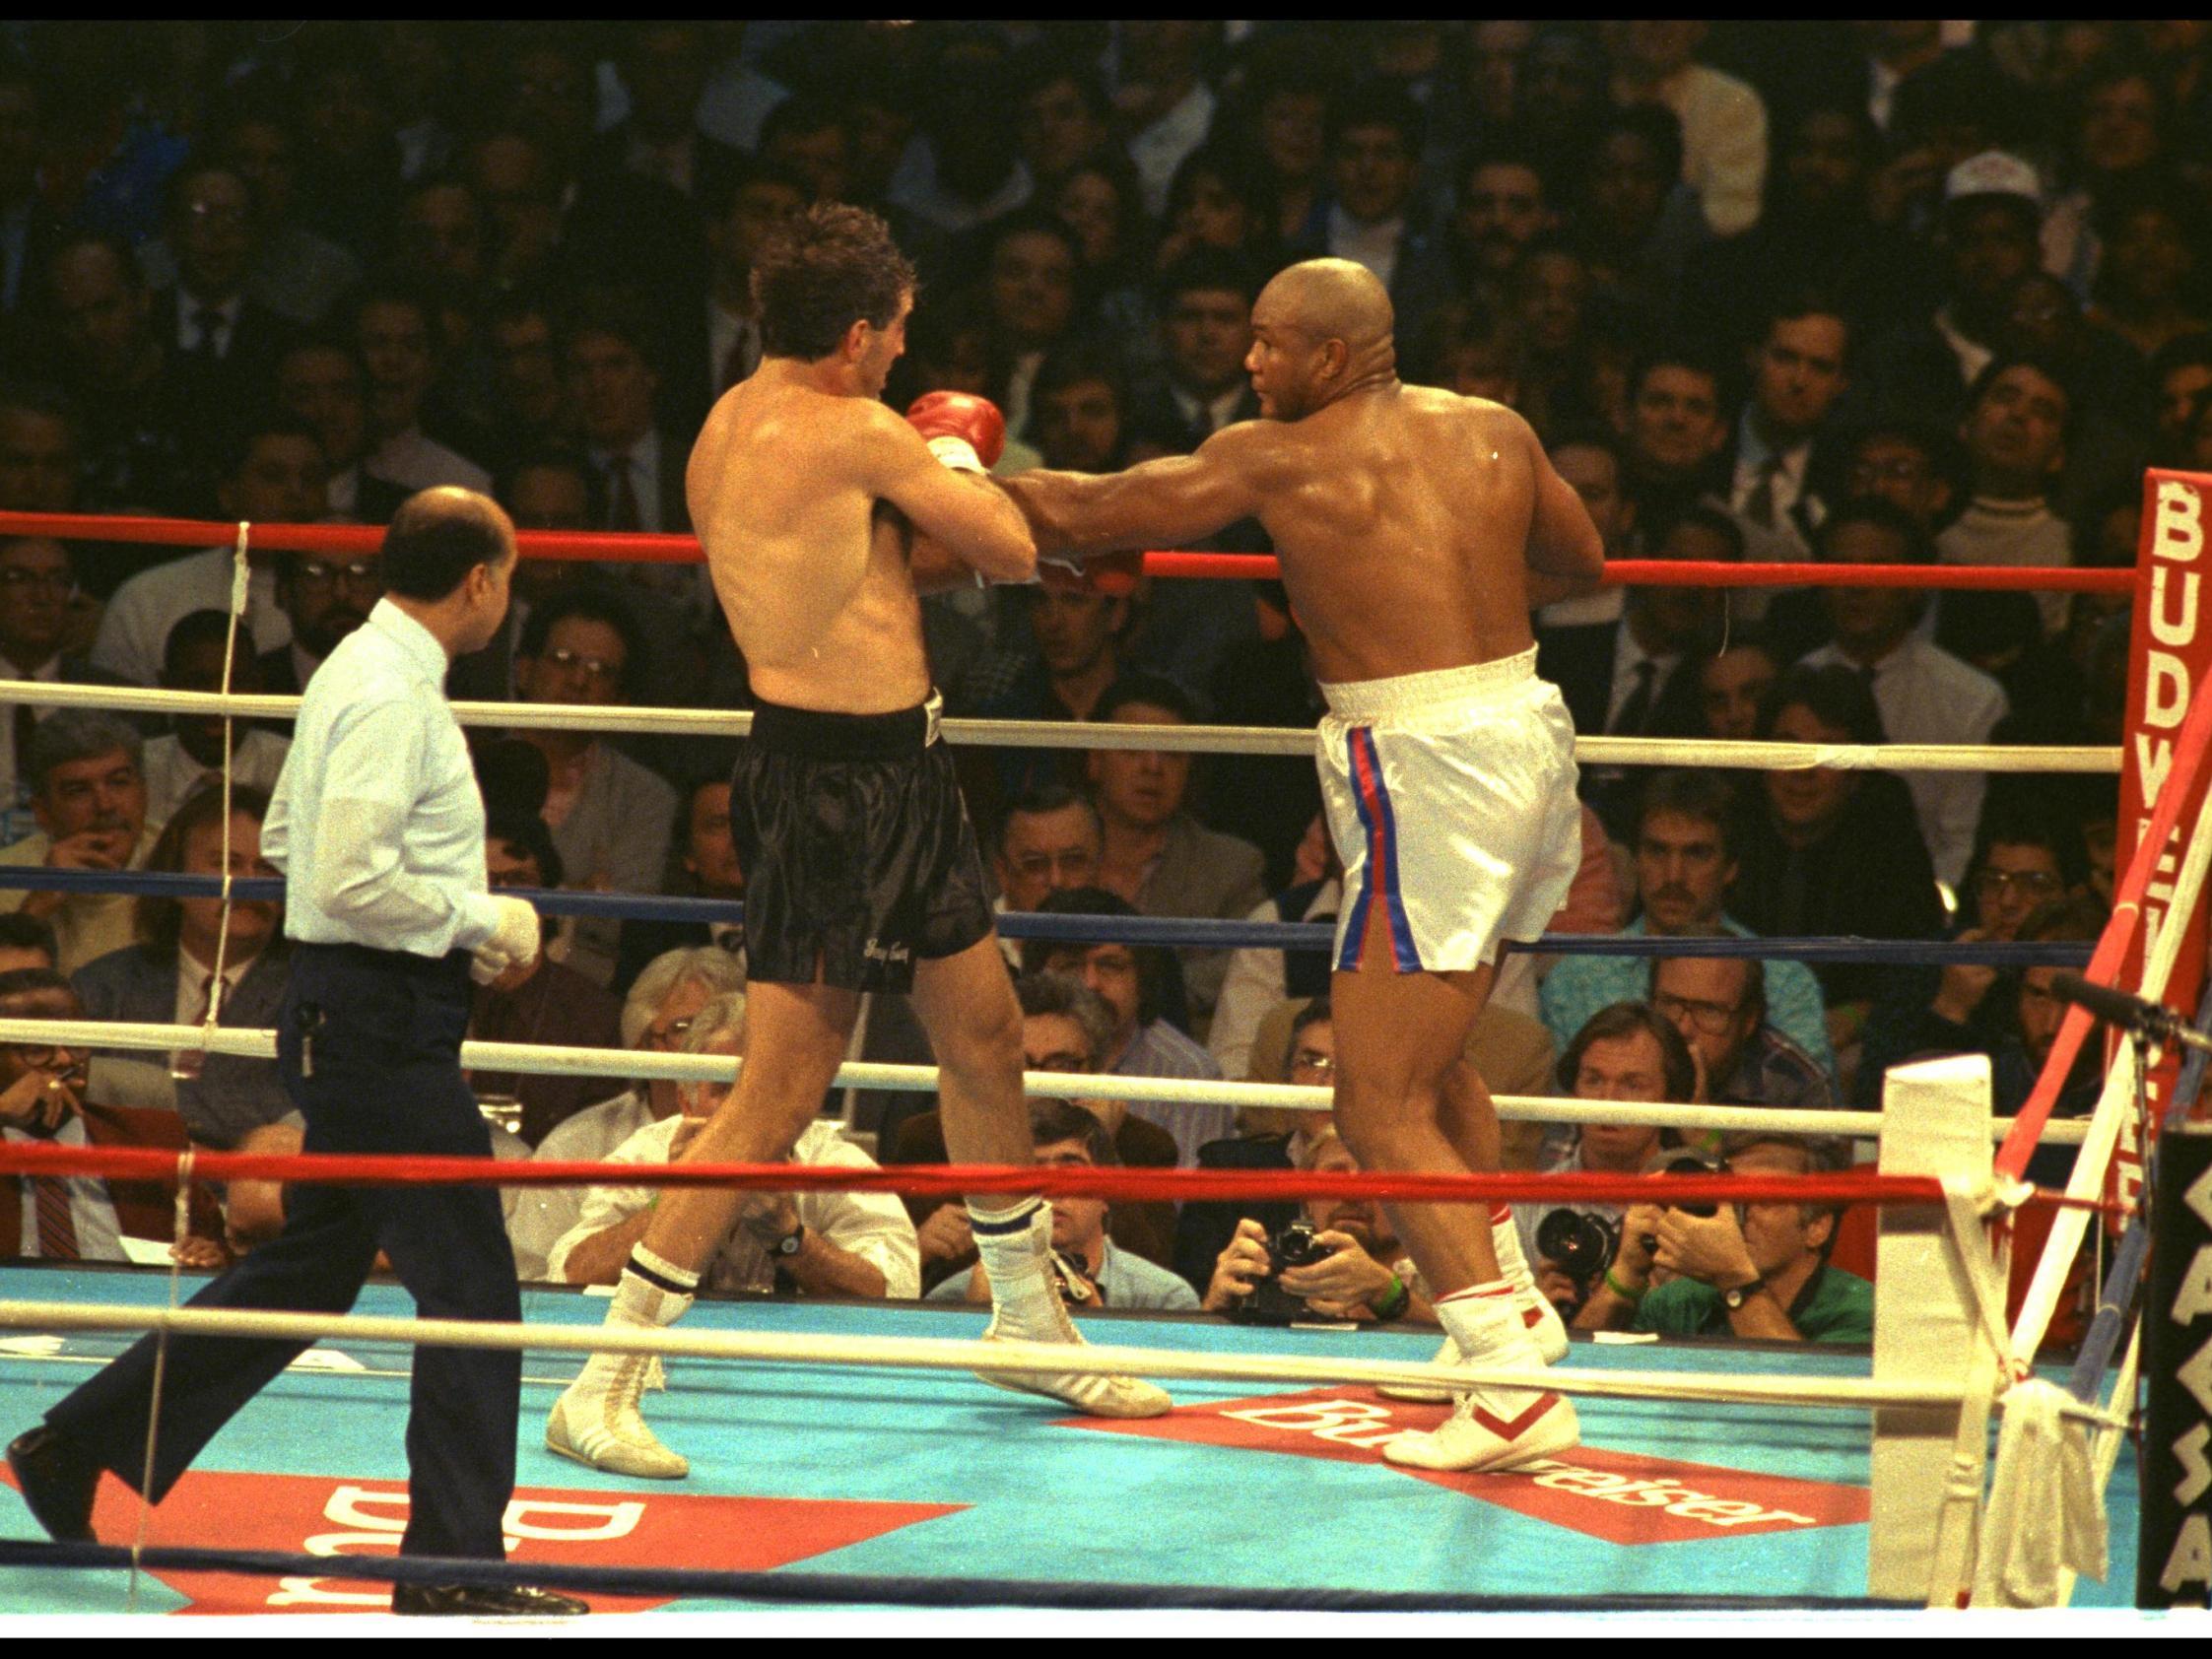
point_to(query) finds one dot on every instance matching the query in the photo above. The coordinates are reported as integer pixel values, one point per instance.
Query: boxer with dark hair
(823, 515)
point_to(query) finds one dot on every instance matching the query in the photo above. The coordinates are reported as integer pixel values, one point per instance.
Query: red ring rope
(1228, 567)
(952, 1180)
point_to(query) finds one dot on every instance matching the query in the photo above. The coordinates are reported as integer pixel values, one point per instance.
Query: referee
(379, 828)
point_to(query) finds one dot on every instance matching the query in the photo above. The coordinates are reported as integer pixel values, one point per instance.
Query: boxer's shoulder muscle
(781, 485)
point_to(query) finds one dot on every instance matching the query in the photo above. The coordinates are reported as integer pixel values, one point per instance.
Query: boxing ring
(1711, 1476)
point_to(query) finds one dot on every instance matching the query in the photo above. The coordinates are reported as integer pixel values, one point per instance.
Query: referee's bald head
(439, 536)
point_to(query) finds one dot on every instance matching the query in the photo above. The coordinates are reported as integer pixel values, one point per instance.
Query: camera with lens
(1579, 1243)
(1294, 1245)
(1685, 1164)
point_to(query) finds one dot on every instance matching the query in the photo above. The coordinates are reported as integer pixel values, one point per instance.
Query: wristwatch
(1735, 1298)
(789, 1244)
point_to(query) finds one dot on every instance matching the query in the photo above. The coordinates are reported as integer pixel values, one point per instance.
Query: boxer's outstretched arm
(957, 514)
(1566, 555)
(1166, 502)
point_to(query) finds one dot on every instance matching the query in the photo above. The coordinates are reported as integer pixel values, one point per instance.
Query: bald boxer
(861, 870)
(1415, 529)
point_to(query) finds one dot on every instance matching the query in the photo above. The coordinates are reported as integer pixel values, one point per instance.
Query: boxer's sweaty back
(812, 578)
(1401, 518)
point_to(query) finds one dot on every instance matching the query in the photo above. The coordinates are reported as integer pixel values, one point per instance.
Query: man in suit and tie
(1637, 676)
(663, 67)
(722, 345)
(223, 344)
(1205, 331)
(608, 360)
(1798, 375)
(43, 1100)
(167, 977)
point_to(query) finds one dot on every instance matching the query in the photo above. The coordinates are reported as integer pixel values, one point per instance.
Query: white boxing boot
(1026, 1306)
(1536, 1313)
(1492, 1427)
(597, 1421)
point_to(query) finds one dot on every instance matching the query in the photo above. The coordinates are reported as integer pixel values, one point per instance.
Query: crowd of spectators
(1900, 293)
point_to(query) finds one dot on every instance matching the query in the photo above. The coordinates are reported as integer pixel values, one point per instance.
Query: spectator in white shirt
(192, 752)
(276, 475)
(656, 1017)
(816, 1244)
(1165, 105)
(1925, 695)
(397, 333)
(1029, 289)
(1376, 137)
(321, 381)
(1724, 121)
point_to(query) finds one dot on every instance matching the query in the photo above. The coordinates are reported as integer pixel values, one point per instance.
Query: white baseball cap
(1993, 173)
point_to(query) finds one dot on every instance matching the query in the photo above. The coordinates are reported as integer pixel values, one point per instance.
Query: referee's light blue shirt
(377, 822)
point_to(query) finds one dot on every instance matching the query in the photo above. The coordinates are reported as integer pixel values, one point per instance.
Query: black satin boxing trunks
(857, 852)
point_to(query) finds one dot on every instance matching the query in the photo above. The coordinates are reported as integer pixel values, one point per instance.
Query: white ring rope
(1752, 1388)
(1064, 734)
(945, 1354)
(543, 1060)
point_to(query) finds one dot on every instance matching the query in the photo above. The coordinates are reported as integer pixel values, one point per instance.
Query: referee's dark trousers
(382, 1032)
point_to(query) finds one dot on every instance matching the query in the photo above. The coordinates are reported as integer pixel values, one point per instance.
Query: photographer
(1093, 1272)
(1625, 1052)
(1341, 1262)
(1749, 1270)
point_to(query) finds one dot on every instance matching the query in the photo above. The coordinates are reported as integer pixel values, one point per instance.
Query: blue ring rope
(844, 1588)
(1203, 931)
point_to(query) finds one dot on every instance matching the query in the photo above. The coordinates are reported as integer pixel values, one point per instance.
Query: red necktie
(57, 1230)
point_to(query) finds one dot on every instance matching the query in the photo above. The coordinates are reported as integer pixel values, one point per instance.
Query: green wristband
(1395, 1303)
(1622, 1290)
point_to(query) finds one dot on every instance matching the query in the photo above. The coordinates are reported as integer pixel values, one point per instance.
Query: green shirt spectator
(1834, 1306)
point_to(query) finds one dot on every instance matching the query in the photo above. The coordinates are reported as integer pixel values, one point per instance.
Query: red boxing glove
(964, 432)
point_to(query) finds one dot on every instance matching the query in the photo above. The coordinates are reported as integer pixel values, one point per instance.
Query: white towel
(2045, 1510)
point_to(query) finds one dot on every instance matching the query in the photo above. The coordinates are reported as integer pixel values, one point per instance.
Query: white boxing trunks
(1451, 797)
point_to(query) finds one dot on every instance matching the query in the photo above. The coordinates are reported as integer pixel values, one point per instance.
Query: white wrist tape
(957, 453)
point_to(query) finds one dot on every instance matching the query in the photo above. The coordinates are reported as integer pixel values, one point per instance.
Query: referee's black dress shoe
(57, 1483)
(469, 1600)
